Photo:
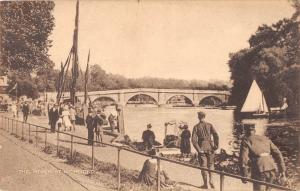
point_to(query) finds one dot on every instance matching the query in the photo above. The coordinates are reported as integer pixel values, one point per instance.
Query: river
(137, 118)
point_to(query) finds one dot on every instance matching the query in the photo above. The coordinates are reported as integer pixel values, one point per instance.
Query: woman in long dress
(72, 116)
(148, 175)
(185, 143)
(14, 109)
(66, 118)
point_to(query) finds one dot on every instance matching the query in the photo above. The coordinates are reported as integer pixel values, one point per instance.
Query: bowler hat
(249, 126)
(149, 125)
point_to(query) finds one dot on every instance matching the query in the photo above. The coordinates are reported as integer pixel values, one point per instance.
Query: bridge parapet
(161, 96)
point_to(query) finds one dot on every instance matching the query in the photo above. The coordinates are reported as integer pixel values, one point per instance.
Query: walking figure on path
(98, 122)
(201, 139)
(90, 126)
(260, 152)
(72, 116)
(25, 110)
(53, 117)
(14, 109)
(66, 118)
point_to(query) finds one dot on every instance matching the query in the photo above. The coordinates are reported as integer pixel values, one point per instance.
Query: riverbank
(59, 170)
(132, 161)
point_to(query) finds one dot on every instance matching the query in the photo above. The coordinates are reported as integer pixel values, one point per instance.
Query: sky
(189, 39)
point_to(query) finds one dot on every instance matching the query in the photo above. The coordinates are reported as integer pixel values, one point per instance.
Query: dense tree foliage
(25, 28)
(273, 59)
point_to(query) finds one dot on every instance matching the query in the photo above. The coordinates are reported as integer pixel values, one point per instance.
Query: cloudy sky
(169, 39)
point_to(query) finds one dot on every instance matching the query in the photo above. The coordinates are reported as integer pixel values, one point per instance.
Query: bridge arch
(179, 100)
(103, 101)
(141, 98)
(210, 101)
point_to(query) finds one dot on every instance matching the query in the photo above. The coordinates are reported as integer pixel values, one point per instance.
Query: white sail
(255, 101)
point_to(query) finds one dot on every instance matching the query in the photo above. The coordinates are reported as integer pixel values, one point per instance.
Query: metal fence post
(158, 174)
(222, 182)
(12, 126)
(57, 142)
(45, 138)
(29, 133)
(17, 122)
(93, 158)
(7, 125)
(36, 136)
(22, 130)
(119, 170)
(71, 146)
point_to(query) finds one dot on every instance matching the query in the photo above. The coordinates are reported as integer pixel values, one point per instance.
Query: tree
(273, 59)
(25, 28)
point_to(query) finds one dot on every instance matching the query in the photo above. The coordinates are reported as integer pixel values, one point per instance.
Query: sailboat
(255, 104)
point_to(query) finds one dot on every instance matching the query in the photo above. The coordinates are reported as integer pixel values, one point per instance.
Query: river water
(137, 118)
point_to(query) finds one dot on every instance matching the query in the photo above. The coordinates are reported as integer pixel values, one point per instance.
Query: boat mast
(75, 61)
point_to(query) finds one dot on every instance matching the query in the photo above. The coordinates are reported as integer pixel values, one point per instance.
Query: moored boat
(255, 105)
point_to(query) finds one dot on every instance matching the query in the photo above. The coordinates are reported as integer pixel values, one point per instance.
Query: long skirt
(66, 121)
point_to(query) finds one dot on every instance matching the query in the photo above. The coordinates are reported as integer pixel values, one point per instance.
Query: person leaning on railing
(261, 152)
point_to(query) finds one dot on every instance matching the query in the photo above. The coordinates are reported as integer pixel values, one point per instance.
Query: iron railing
(7, 122)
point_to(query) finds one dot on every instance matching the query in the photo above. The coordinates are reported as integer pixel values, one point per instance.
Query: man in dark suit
(25, 110)
(53, 117)
(89, 121)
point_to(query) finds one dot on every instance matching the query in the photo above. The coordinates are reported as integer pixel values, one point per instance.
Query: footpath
(23, 167)
(188, 178)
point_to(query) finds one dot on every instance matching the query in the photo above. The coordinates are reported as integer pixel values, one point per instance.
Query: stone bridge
(159, 96)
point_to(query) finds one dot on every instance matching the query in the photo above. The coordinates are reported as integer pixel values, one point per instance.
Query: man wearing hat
(89, 121)
(98, 123)
(261, 152)
(205, 146)
(53, 117)
(148, 137)
(25, 110)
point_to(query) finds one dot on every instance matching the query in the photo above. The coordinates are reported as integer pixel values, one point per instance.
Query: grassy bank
(104, 172)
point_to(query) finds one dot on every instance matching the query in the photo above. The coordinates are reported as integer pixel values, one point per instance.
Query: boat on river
(255, 105)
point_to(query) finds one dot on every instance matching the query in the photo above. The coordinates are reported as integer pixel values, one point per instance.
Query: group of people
(62, 116)
(24, 107)
(258, 155)
(95, 121)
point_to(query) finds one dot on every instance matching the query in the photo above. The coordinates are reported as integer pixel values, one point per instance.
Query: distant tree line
(101, 80)
(273, 59)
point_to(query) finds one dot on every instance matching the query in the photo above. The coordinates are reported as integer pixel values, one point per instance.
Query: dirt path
(190, 177)
(20, 170)
(25, 167)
